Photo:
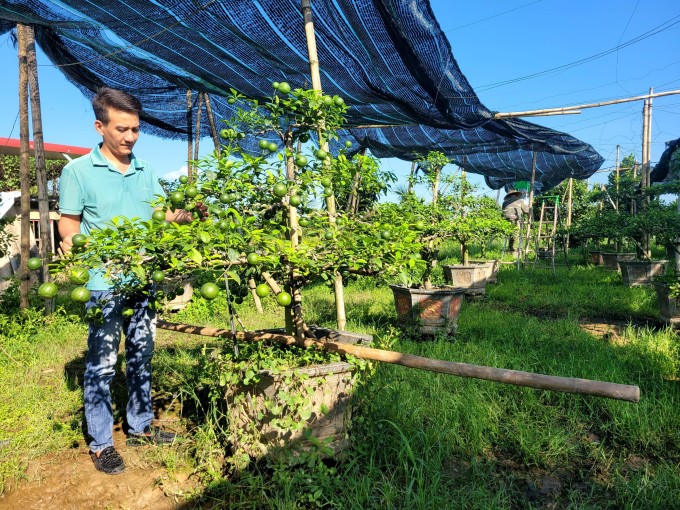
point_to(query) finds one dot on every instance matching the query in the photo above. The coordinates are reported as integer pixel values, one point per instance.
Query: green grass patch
(418, 439)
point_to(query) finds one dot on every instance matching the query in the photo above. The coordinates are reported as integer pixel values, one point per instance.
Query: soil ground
(69, 481)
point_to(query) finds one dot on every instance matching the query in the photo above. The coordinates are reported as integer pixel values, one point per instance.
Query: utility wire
(656, 30)
(491, 17)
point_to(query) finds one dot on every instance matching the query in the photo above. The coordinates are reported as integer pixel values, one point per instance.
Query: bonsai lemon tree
(265, 192)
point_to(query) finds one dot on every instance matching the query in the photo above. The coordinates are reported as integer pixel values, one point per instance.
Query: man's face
(120, 133)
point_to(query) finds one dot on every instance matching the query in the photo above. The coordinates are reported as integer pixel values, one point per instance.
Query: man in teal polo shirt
(110, 182)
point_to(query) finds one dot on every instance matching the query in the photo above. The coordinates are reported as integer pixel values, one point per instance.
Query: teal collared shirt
(95, 189)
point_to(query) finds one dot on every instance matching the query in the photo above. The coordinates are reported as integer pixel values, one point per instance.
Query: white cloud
(171, 176)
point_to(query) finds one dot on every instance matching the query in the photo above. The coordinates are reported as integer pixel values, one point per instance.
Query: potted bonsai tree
(476, 219)
(272, 218)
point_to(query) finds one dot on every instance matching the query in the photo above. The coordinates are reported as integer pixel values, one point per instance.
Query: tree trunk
(24, 168)
(46, 248)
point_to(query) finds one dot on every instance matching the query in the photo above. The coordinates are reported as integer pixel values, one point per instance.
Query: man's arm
(69, 225)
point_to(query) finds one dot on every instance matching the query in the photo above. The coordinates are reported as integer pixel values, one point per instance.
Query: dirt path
(69, 481)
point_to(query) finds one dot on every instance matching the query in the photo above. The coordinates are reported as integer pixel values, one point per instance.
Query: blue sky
(493, 42)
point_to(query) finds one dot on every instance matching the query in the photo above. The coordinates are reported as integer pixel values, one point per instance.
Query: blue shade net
(388, 59)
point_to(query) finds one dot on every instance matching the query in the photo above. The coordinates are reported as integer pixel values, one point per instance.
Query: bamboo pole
(199, 114)
(190, 136)
(46, 248)
(211, 121)
(24, 168)
(330, 200)
(514, 377)
(531, 208)
(569, 109)
(253, 292)
(411, 176)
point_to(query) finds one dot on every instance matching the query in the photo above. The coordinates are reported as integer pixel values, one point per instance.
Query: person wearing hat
(515, 207)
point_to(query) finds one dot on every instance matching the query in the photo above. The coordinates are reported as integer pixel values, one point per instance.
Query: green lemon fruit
(326, 182)
(338, 101)
(225, 198)
(183, 179)
(158, 215)
(386, 235)
(210, 290)
(304, 137)
(191, 191)
(328, 235)
(321, 154)
(80, 295)
(223, 225)
(284, 87)
(79, 240)
(304, 222)
(158, 276)
(263, 144)
(231, 100)
(253, 259)
(276, 85)
(47, 290)
(348, 144)
(34, 263)
(295, 200)
(284, 299)
(419, 225)
(327, 192)
(262, 290)
(280, 190)
(79, 275)
(327, 100)
(177, 197)
(272, 146)
(300, 160)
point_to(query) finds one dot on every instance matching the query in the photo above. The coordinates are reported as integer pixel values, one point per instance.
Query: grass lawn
(418, 439)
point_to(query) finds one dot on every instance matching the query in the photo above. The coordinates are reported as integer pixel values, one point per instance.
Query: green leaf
(204, 237)
(195, 255)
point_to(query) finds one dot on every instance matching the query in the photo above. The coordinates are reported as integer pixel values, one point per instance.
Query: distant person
(515, 208)
(110, 182)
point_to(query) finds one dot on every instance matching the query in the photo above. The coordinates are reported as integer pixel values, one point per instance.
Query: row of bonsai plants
(274, 226)
(625, 214)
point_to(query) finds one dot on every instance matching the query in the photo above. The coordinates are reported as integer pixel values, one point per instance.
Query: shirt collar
(98, 159)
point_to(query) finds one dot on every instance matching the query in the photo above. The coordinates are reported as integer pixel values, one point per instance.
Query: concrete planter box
(326, 390)
(471, 277)
(611, 259)
(433, 311)
(641, 272)
(490, 268)
(596, 258)
(668, 305)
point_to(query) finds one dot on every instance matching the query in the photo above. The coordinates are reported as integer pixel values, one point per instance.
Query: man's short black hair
(116, 99)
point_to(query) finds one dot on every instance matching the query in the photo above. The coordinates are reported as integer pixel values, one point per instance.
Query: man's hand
(69, 225)
(66, 244)
(202, 211)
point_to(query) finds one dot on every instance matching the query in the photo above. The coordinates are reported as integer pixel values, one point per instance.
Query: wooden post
(190, 136)
(330, 201)
(211, 121)
(570, 189)
(46, 248)
(25, 241)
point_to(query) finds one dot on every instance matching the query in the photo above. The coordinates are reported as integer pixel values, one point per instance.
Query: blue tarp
(388, 59)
